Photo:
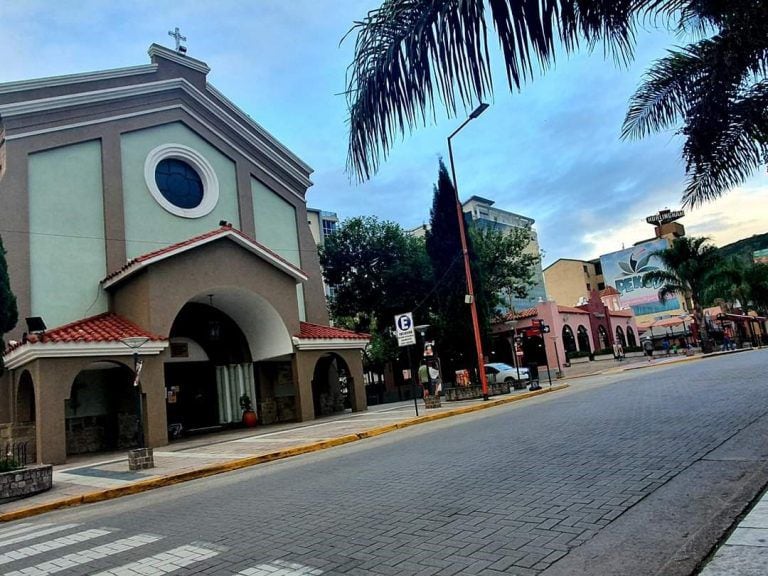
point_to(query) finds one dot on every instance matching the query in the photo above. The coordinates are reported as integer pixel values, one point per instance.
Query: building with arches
(140, 207)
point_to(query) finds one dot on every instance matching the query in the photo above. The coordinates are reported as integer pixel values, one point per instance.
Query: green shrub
(9, 464)
(577, 354)
(604, 351)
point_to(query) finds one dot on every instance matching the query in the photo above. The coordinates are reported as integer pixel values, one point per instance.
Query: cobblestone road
(506, 491)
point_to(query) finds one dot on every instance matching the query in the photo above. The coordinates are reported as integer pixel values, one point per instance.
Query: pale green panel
(148, 226)
(302, 304)
(66, 221)
(275, 221)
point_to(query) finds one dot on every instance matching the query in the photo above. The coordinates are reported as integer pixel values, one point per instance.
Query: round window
(179, 183)
(181, 180)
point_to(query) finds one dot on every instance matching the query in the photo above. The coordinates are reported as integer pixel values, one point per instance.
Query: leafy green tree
(9, 314)
(736, 281)
(409, 51)
(377, 271)
(689, 263)
(504, 266)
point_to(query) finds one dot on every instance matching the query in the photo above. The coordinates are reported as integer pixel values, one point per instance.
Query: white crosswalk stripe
(49, 545)
(162, 563)
(281, 568)
(17, 528)
(79, 558)
(30, 533)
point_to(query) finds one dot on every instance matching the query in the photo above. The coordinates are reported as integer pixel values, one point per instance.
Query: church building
(158, 245)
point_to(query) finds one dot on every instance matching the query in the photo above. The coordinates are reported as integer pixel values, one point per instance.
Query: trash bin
(533, 374)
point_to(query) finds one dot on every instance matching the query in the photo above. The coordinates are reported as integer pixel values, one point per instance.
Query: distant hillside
(743, 248)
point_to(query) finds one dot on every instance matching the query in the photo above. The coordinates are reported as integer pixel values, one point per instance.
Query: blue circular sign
(404, 323)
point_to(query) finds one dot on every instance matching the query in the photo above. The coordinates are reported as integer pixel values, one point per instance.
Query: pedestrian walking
(648, 348)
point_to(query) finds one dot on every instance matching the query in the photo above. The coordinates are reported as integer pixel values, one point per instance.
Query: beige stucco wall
(567, 281)
(304, 367)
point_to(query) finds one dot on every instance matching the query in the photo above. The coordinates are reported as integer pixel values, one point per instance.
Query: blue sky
(551, 152)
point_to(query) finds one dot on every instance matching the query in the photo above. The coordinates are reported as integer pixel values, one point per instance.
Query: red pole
(467, 269)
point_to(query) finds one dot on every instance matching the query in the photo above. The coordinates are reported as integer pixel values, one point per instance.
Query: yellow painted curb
(240, 463)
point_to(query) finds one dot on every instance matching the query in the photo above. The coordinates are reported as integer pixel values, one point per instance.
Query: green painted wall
(147, 225)
(66, 220)
(275, 221)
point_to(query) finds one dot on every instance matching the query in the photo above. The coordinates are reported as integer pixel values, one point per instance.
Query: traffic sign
(404, 331)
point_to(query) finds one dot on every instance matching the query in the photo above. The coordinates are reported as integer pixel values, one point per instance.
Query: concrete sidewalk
(94, 478)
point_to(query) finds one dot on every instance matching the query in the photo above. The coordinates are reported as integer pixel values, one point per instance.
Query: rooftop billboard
(625, 270)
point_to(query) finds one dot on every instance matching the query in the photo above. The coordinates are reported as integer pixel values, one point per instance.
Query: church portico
(113, 184)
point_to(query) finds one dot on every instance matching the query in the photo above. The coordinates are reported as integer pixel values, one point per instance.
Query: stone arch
(25, 399)
(620, 337)
(332, 389)
(583, 339)
(101, 413)
(569, 340)
(631, 338)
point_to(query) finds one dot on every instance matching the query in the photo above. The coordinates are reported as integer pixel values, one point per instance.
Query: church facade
(158, 247)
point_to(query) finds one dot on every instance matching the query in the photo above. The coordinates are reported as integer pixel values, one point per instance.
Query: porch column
(52, 382)
(354, 361)
(303, 370)
(153, 391)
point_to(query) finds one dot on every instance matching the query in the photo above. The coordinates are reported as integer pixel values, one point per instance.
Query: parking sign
(406, 335)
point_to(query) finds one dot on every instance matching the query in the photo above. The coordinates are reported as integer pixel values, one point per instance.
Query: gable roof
(227, 231)
(317, 337)
(99, 335)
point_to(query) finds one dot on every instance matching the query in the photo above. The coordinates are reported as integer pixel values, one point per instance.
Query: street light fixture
(134, 343)
(467, 271)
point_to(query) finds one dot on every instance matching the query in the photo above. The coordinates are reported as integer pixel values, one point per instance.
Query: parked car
(500, 372)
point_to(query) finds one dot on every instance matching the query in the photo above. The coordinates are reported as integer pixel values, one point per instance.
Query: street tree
(739, 284)
(410, 52)
(499, 263)
(9, 314)
(376, 271)
(688, 263)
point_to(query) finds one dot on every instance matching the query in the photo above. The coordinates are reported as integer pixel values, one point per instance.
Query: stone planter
(25, 482)
(141, 459)
(579, 360)
(470, 392)
(604, 357)
(432, 402)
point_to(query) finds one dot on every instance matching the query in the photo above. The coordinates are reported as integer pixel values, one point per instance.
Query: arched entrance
(583, 339)
(209, 369)
(631, 338)
(620, 337)
(101, 411)
(25, 399)
(331, 385)
(569, 340)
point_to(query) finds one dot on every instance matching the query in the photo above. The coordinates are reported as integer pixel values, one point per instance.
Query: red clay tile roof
(571, 310)
(315, 331)
(526, 313)
(107, 327)
(223, 231)
(609, 291)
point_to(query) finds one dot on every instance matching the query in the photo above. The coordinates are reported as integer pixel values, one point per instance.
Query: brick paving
(505, 491)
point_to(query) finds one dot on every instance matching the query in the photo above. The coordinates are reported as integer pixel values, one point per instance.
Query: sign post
(406, 336)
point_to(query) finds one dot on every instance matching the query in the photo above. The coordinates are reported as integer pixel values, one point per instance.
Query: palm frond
(408, 52)
(662, 99)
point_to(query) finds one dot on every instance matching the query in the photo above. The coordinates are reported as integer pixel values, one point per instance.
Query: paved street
(637, 473)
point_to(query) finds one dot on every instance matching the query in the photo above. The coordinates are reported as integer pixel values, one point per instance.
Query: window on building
(329, 227)
(601, 285)
(586, 270)
(589, 287)
(179, 183)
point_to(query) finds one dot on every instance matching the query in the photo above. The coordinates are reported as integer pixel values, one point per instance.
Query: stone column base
(141, 459)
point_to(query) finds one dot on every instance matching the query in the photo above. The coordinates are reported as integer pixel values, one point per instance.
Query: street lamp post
(512, 324)
(467, 271)
(134, 343)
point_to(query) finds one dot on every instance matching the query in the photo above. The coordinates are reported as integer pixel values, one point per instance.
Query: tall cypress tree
(9, 313)
(452, 325)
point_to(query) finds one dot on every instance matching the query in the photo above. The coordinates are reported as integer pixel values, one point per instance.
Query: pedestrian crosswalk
(41, 549)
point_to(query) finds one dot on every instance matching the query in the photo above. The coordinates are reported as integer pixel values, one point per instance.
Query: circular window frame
(199, 163)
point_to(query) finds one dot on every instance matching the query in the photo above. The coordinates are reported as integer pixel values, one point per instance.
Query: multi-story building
(322, 224)
(570, 282)
(146, 216)
(482, 212)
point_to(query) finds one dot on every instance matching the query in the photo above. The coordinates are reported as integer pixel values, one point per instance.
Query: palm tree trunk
(706, 343)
